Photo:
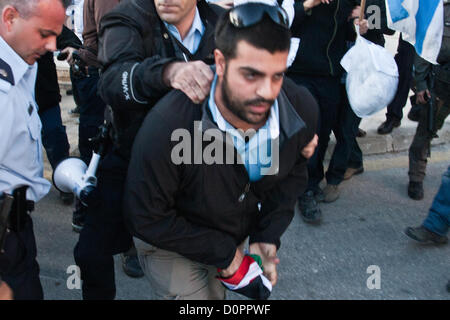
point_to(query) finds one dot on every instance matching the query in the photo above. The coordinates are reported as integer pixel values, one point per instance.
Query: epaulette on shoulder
(6, 72)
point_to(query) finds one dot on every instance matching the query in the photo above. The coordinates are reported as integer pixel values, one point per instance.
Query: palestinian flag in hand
(249, 279)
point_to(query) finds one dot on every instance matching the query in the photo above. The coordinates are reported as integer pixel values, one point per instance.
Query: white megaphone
(73, 176)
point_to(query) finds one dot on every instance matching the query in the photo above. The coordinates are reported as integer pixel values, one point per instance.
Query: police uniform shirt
(21, 162)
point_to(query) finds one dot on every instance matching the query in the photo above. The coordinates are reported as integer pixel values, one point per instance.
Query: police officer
(28, 29)
(426, 74)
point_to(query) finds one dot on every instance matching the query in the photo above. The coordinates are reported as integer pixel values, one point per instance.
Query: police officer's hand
(268, 254)
(423, 96)
(309, 149)
(194, 78)
(5, 291)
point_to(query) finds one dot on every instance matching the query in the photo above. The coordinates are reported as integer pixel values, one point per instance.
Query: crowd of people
(214, 135)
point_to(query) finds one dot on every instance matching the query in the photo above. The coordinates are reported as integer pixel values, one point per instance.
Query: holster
(20, 208)
(5, 209)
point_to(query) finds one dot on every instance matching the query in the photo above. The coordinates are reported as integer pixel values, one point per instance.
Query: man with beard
(191, 210)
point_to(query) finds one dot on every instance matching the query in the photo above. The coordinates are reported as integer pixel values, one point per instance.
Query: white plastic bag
(372, 77)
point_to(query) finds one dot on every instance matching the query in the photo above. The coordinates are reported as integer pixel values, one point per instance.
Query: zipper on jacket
(244, 194)
(332, 38)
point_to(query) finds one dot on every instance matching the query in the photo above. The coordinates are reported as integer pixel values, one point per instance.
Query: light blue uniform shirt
(256, 153)
(21, 162)
(193, 37)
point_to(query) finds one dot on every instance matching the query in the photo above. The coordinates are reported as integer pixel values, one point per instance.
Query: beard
(239, 107)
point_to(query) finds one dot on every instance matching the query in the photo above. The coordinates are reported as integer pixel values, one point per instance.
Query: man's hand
(309, 4)
(308, 150)
(5, 291)
(69, 51)
(268, 254)
(194, 78)
(363, 26)
(235, 264)
(227, 4)
(423, 96)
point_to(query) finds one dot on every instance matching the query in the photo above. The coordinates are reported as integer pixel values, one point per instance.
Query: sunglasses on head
(249, 14)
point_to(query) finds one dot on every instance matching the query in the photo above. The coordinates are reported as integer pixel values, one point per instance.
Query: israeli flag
(421, 23)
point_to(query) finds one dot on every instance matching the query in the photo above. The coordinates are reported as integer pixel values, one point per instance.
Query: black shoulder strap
(6, 72)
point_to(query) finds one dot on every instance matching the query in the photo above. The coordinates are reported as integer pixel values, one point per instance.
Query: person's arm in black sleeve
(149, 201)
(67, 38)
(129, 79)
(303, 9)
(277, 210)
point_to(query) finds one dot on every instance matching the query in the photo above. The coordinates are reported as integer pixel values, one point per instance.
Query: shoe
(415, 190)
(331, 192)
(319, 196)
(66, 198)
(75, 110)
(350, 172)
(309, 211)
(387, 126)
(131, 266)
(414, 113)
(361, 133)
(78, 218)
(424, 235)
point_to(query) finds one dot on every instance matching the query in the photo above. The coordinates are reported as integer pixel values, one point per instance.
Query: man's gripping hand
(268, 254)
(194, 78)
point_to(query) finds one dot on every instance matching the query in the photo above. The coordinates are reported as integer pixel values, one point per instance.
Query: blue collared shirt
(193, 37)
(255, 153)
(21, 162)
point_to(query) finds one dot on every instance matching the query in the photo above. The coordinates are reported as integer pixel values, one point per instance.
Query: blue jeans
(54, 137)
(438, 219)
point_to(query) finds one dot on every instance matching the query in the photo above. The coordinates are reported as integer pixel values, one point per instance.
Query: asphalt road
(362, 229)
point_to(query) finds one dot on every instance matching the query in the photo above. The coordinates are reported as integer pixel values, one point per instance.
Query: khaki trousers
(174, 277)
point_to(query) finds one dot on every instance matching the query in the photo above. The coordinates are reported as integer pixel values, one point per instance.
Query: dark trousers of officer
(92, 109)
(404, 60)
(18, 265)
(326, 91)
(54, 137)
(104, 233)
(347, 153)
(419, 150)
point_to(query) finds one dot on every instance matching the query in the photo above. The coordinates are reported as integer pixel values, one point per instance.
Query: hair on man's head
(26, 8)
(265, 34)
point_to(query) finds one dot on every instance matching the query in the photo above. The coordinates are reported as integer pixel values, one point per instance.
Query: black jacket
(323, 33)
(194, 209)
(47, 88)
(134, 48)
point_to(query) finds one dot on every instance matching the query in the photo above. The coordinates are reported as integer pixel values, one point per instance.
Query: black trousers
(18, 265)
(346, 153)
(92, 109)
(326, 91)
(104, 233)
(404, 60)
